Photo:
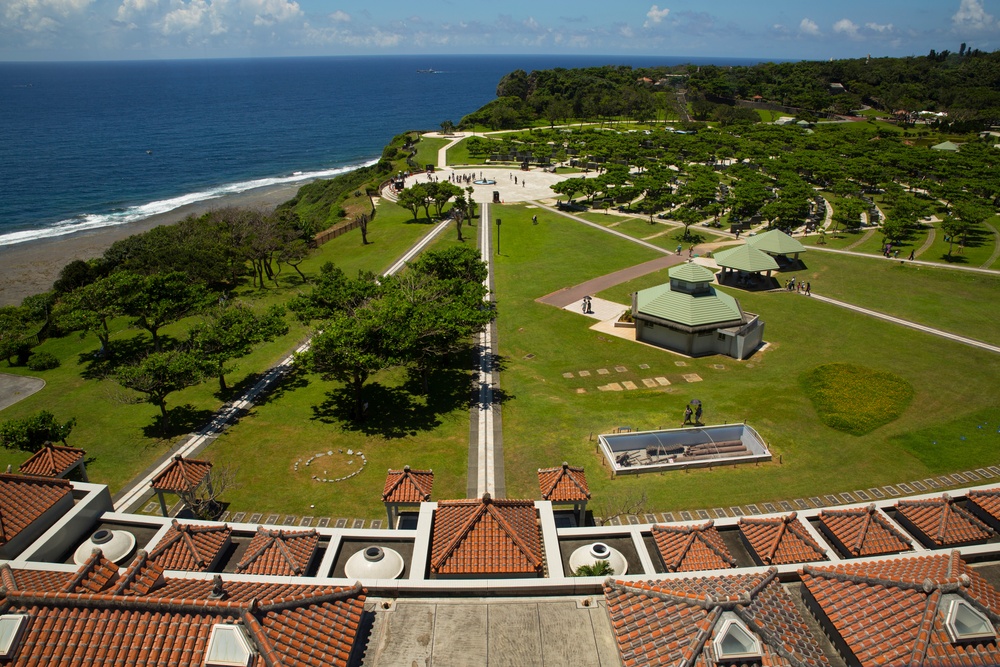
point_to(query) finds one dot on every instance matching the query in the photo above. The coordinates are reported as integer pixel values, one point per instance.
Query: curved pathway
(864, 237)
(928, 242)
(996, 248)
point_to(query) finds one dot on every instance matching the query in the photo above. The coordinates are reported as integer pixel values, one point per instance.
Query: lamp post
(498, 236)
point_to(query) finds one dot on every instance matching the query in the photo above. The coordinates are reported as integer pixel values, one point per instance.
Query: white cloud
(879, 27)
(972, 15)
(808, 27)
(340, 17)
(846, 27)
(655, 15)
(130, 9)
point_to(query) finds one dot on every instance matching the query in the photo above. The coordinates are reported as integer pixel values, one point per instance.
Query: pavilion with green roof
(744, 261)
(779, 245)
(689, 315)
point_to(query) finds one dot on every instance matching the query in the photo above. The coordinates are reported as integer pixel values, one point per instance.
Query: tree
(15, 323)
(440, 192)
(156, 300)
(90, 308)
(203, 500)
(952, 228)
(848, 214)
(31, 433)
(230, 331)
(160, 374)
(600, 568)
(333, 293)
(412, 198)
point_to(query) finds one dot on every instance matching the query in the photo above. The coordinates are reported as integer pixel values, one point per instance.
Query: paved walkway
(996, 248)
(14, 388)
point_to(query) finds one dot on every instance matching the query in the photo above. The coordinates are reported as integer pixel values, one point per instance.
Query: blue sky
(781, 29)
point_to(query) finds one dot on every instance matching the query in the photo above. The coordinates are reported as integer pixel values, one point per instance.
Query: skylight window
(964, 622)
(12, 628)
(228, 646)
(734, 641)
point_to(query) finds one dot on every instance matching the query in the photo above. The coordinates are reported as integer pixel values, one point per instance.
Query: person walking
(911, 255)
(697, 415)
(687, 415)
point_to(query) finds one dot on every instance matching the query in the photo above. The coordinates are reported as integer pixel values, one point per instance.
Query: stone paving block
(621, 369)
(340, 523)
(323, 522)
(603, 371)
(615, 521)
(306, 521)
(786, 506)
(983, 472)
(633, 520)
(969, 475)
(831, 499)
(847, 498)
(945, 480)
(668, 517)
(649, 518)
(376, 524)
(891, 490)
(686, 516)
(584, 374)
(703, 514)
(581, 390)
(861, 495)
(737, 511)
(238, 517)
(719, 367)
(644, 367)
(256, 517)
(932, 483)
(290, 520)
(680, 363)
(692, 377)
(358, 523)
(993, 469)
(919, 486)
(568, 376)
(224, 517)
(271, 519)
(628, 384)
(753, 509)
(151, 507)
(816, 501)
(649, 382)
(614, 386)
(801, 503)
(876, 493)
(719, 513)
(770, 508)
(662, 381)
(959, 478)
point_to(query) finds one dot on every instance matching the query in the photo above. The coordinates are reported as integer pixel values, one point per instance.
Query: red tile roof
(780, 540)
(674, 621)
(943, 522)
(486, 536)
(563, 484)
(52, 461)
(888, 613)
(24, 499)
(690, 548)
(96, 574)
(182, 475)
(863, 531)
(279, 552)
(987, 500)
(289, 625)
(408, 486)
(189, 547)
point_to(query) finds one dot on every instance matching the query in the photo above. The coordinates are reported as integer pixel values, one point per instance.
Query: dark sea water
(88, 145)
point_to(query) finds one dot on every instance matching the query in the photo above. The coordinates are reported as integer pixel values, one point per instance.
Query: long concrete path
(138, 490)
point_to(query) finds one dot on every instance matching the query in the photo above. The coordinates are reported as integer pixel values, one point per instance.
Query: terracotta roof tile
(24, 499)
(987, 500)
(862, 531)
(674, 621)
(279, 552)
(780, 540)
(52, 461)
(190, 547)
(563, 484)
(943, 522)
(889, 613)
(182, 475)
(96, 574)
(690, 548)
(290, 625)
(408, 486)
(486, 537)
(140, 578)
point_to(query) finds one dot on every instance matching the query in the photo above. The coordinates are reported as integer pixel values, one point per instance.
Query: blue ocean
(95, 144)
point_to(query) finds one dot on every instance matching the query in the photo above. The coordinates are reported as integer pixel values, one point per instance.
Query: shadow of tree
(297, 377)
(181, 419)
(392, 412)
(98, 365)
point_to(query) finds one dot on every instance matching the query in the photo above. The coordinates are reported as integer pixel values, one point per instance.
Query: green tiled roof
(945, 146)
(692, 273)
(776, 242)
(692, 310)
(745, 258)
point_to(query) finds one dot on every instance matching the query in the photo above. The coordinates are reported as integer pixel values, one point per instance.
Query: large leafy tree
(334, 292)
(15, 324)
(31, 432)
(230, 331)
(156, 300)
(413, 197)
(159, 374)
(91, 307)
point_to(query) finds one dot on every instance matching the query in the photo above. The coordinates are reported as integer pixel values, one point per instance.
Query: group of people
(462, 178)
(587, 305)
(801, 286)
(696, 413)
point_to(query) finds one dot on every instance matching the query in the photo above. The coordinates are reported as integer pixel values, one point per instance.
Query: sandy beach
(31, 267)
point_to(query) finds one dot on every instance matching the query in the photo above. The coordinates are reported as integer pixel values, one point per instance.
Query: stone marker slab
(983, 472)
(847, 498)
(568, 376)
(224, 518)
(581, 390)
(615, 521)
(753, 509)
(649, 518)
(633, 520)
(816, 501)
(584, 374)
(876, 493)
(703, 514)
(644, 367)
(290, 520)
(680, 363)
(719, 513)
(831, 499)
(692, 377)
(376, 524)
(668, 517)
(649, 382)
(994, 469)
(861, 495)
(323, 522)
(932, 483)
(340, 523)
(307, 521)
(614, 386)
(621, 369)
(737, 511)
(686, 516)
(969, 475)
(919, 486)
(151, 507)
(358, 523)
(786, 506)
(603, 371)
(628, 384)
(662, 381)
(256, 517)
(801, 504)
(239, 516)
(769, 508)
(891, 490)
(904, 487)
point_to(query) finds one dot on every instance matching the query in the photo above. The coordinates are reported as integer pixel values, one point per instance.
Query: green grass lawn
(427, 150)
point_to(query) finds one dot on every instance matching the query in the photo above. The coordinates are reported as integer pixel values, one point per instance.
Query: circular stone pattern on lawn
(332, 465)
(856, 399)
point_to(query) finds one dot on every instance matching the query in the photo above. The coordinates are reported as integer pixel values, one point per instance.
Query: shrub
(43, 361)
(855, 399)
